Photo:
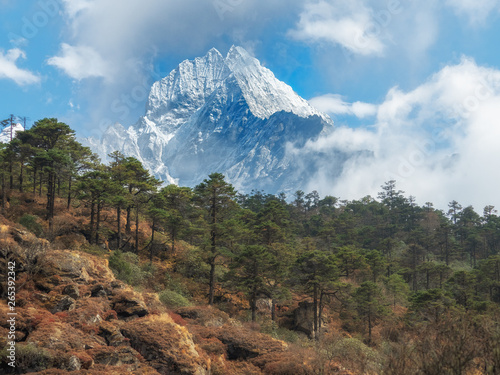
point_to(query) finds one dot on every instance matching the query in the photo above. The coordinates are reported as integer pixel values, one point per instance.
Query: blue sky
(391, 73)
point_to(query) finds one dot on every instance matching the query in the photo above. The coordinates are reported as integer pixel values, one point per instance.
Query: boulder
(166, 346)
(60, 336)
(243, 343)
(65, 304)
(98, 291)
(47, 284)
(111, 333)
(204, 315)
(74, 364)
(128, 303)
(78, 266)
(72, 291)
(111, 356)
(303, 318)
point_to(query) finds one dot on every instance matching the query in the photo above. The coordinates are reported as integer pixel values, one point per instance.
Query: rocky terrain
(74, 316)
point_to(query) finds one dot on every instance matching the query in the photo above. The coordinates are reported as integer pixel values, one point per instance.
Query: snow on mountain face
(5, 135)
(265, 94)
(228, 115)
(174, 99)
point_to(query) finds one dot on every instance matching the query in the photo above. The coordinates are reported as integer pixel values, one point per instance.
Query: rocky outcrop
(128, 304)
(73, 314)
(74, 317)
(78, 266)
(168, 347)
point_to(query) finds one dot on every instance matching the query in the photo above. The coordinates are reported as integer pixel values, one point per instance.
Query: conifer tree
(217, 198)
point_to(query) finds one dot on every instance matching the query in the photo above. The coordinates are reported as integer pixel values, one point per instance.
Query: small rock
(95, 319)
(41, 297)
(84, 276)
(112, 335)
(74, 364)
(65, 304)
(98, 291)
(72, 291)
(116, 284)
(47, 284)
(127, 304)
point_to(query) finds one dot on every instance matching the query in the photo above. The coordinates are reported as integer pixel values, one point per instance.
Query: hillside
(114, 273)
(73, 315)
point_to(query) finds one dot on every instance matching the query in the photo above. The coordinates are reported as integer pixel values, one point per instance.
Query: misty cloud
(80, 62)
(476, 11)
(334, 104)
(438, 141)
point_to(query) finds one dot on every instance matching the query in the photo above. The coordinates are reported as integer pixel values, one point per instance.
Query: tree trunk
(273, 309)
(320, 311)
(253, 304)
(151, 248)
(213, 240)
(34, 182)
(11, 177)
(127, 223)
(315, 307)
(40, 188)
(21, 178)
(137, 229)
(118, 224)
(211, 282)
(50, 200)
(98, 222)
(447, 259)
(69, 190)
(129, 208)
(92, 219)
(49, 192)
(369, 327)
(3, 193)
(172, 245)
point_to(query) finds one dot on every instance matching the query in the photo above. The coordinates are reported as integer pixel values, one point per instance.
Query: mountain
(222, 114)
(5, 135)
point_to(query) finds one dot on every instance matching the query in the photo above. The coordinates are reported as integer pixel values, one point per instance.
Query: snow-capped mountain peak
(220, 114)
(264, 93)
(5, 135)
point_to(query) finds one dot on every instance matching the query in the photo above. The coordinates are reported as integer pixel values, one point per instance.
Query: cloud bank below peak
(438, 141)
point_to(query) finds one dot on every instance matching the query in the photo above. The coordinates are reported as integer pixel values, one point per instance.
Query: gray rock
(72, 291)
(65, 304)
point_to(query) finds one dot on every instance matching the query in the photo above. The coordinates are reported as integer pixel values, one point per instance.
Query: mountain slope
(221, 114)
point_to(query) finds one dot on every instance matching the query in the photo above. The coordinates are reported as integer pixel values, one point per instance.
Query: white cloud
(127, 39)
(438, 141)
(9, 69)
(476, 10)
(73, 7)
(80, 62)
(348, 24)
(335, 105)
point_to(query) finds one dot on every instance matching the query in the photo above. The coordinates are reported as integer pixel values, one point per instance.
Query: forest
(414, 288)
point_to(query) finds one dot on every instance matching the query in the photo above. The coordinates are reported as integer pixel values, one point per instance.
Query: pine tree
(369, 304)
(216, 197)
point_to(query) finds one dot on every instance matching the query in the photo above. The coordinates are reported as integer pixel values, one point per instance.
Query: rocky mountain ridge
(222, 114)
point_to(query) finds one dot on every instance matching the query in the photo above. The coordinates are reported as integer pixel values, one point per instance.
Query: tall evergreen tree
(217, 197)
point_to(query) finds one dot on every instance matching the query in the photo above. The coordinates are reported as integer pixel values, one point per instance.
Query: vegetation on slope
(373, 285)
